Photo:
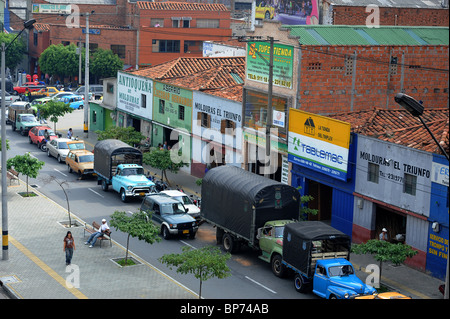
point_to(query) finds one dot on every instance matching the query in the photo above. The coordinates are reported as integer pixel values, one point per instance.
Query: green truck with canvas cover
(248, 209)
(21, 117)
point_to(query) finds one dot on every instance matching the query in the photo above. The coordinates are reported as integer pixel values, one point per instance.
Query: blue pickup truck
(319, 256)
(120, 165)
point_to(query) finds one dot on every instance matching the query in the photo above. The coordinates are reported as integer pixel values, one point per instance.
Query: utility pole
(86, 79)
(79, 62)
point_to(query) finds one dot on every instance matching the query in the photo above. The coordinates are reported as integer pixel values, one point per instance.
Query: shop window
(373, 172)
(143, 101)
(181, 112)
(161, 106)
(409, 185)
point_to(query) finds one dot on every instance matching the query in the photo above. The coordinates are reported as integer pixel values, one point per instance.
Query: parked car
(80, 162)
(95, 91)
(264, 10)
(36, 135)
(170, 215)
(32, 86)
(75, 101)
(76, 144)
(194, 211)
(385, 295)
(59, 95)
(44, 92)
(8, 98)
(58, 148)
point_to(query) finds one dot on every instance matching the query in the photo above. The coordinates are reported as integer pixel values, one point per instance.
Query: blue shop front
(322, 154)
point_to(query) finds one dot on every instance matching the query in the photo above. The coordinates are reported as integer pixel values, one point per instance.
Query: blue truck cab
(120, 165)
(319, 256)
(336, 279)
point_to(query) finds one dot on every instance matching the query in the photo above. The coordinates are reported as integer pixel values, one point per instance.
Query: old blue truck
(119, 165)
(319, 255)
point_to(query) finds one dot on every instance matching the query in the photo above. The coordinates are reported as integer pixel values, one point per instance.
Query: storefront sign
(52, 8)
(258, 55)
(134, 95)
(440, 174)
(319, 143)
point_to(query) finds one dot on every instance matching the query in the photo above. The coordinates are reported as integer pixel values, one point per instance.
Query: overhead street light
(416, 109)
(26, 25)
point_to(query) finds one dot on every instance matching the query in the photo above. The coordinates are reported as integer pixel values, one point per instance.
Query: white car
(58, 148)
(194, 211)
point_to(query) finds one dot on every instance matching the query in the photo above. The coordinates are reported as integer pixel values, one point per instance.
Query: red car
(32, 86)
(36, 135)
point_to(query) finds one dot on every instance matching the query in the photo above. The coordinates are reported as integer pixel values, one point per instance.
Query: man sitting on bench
(101, 231)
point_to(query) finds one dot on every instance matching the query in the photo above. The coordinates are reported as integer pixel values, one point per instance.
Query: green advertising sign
(172, 105)
(258, 57)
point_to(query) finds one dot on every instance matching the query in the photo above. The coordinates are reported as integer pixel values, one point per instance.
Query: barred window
(373, 173)
(208, 23)
(410, 183)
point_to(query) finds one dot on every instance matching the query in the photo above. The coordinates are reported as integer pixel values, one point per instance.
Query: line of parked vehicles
(245, 209)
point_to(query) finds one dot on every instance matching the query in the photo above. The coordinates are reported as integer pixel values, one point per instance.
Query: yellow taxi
(80, 162)
(264, 10)
(385, 295)
(47, 91)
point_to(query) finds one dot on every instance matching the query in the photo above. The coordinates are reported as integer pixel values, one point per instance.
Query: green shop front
(172, 119)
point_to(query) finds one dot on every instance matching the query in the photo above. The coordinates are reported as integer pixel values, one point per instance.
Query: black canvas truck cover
(109, 153)
(298, 240)
(230, 195)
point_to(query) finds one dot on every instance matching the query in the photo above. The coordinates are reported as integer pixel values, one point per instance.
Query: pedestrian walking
(69, 247)
(69, 133)
(102, 230)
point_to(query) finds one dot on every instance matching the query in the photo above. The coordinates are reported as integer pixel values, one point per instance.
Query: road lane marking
(261, 285)
(96, 193)
(60, 172)
(182, 241)
(47, 269)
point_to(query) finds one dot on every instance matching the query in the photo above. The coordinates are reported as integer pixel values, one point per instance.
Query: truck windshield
(344, 270)
(28, 118)
(177, 208)
(132, 171)
(279, 231)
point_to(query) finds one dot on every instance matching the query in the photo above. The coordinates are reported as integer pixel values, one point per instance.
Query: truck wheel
(104, 185)
(278, 268)
(299, 283)
(165, 232)
(123, 197)
(229, 245)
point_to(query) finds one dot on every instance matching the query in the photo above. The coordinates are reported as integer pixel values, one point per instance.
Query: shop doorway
(323, 198)
(393, 221)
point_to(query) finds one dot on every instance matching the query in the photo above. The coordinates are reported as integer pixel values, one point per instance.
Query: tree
(125, 134)
(7, 144)
(15, 52)
(26, 165)
(161, 159)
(385, 251)
(206, 262)
(105, 64)
(137, 225)
(54, 109)
(60, 60)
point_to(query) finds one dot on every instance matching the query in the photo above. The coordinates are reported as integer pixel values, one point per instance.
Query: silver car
(58, 148)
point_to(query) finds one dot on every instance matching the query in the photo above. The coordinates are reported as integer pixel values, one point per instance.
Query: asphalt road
(251, 278)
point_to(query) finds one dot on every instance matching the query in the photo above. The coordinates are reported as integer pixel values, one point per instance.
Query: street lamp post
(26, 25)
(416, 109)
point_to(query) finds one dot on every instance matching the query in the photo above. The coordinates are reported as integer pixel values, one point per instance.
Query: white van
(194, 211)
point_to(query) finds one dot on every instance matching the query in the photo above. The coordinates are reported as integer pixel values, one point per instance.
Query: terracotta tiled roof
(233, 93)
(400, 127)
(41, 27)
(181, 6)
(186, 66)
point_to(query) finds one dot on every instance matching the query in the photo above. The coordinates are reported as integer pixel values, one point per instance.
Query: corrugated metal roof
(428, 4)
(362, 35)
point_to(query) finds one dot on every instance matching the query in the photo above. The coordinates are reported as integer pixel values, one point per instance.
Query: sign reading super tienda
(319, 143)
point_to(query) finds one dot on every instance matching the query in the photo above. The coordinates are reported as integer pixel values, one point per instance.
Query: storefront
(393, 191)
(172, 120)
(216, 132)
(322, 157)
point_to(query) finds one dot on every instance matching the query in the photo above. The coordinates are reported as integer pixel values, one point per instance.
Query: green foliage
(14, 54)
(206, 262)
(125, 134)
(7, 144)
(25, 165)
(162, 159)
(54, 109)
(60, 60)
(304, 209)
(137, 225)
(105, 63)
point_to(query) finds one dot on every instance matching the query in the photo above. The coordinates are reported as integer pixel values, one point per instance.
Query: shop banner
(319, 143)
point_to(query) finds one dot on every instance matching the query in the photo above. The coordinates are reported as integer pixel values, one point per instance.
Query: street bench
(94, 228)
(12, 175)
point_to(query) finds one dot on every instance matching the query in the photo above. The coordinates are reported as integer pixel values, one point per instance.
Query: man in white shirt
(102, 230)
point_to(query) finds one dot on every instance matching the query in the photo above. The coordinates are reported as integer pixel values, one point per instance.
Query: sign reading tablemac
(319, 143)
